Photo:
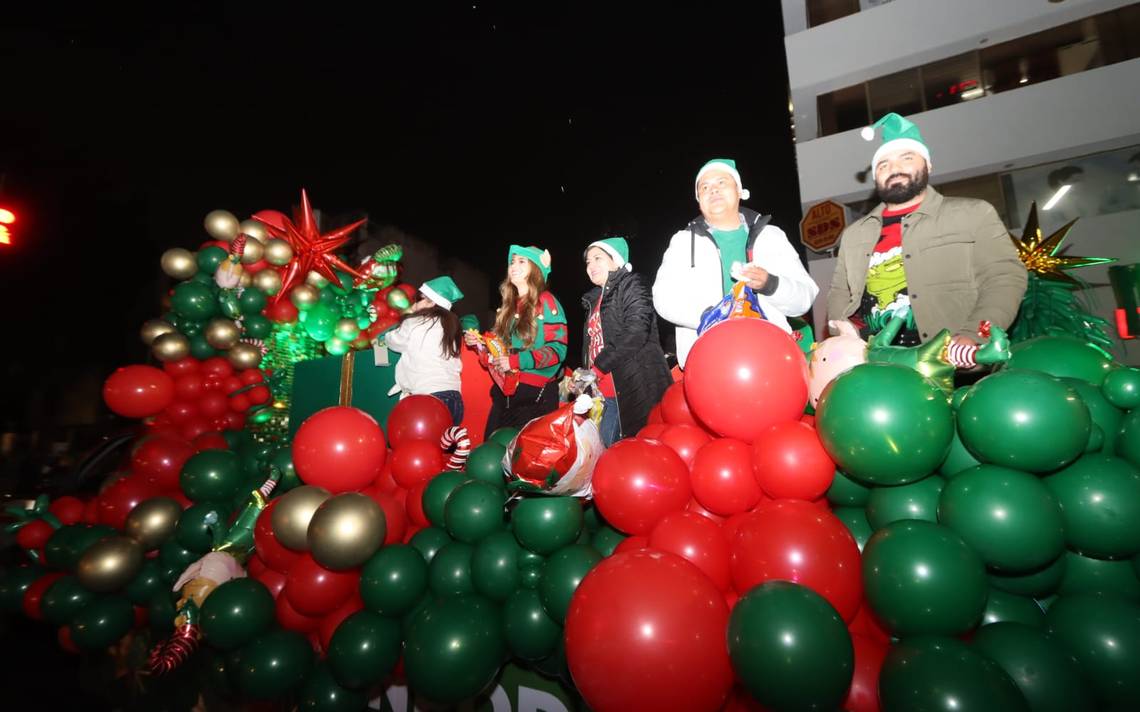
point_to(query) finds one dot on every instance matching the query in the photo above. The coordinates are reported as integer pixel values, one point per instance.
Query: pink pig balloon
(833, 356)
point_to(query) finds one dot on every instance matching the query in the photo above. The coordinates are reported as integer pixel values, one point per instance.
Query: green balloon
(237, 612)
(917, 500)
(530, 576)
(606, 539)
(1121, 387)
(161, 612)
(257, 326)
(474, 511)
(200, 348)
(495, 566)
(438, 489)
(846, 492)
(958, 459)
(485, 463)
(922, 578)
(146, 584)
(503, 436)
(193, 530)
(282, 459)
(1084, 574)
(449, 573)
(790, 648)
(67, 544)
(211, 475)
(394, 580)
(364, 649)
(1039, 583)
(1009, 517)
(323, 693)
(564, 570)
(1103, 633)
(454, 648)
(173, 559)
(1100, 503)
(885, 424)
(530, 633)
(210, 258)
(13, 583)
(1003, 607)
(252, 302)
(1104, 414)
(194, 301)
(102, 622)
(555, 666)
(1047, 675)
(1128, 438)
(957, 396)
(320, 322)
(544, 524)
(64, 599)
(272, 665)
(428, 541)
(936, 673)
(1024, 420)
(855, 519)
(1062, 356)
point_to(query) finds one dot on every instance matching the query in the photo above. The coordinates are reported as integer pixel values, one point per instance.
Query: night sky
(470, 127)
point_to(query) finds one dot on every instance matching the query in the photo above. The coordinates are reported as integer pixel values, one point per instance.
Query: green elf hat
(898, 134)
(467, 322)
(617, 248)
(536, 255)
(722, 164)
(442, 291)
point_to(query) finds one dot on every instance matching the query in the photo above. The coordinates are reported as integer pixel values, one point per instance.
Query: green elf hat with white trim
(442, 291)
(722, 164)
(898, 134)
(617, 248)
(538, 256)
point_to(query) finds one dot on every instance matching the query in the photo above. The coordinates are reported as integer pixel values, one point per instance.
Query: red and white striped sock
(961, 355)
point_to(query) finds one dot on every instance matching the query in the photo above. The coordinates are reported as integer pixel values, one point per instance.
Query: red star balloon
(312, 251)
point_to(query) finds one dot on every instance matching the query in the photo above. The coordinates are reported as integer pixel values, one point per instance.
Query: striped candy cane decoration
(456, 437)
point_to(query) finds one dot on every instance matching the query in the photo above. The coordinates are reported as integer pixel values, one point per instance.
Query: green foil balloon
(454, 648)
(272, 665)
(846, 492)
(321, 692)
(495, 566)
(64, 599)
(1062, 356)
(937, 673)
(428, 541)
(564, 570)
(485, 463)
(530, 633)
(917, 500)
(1038, 583)
(855, 519)
(393, 581)
(102, 622)
(1104, 414)
(237, 612)
(1100, 503)
(503, 436)
(320, 322)
(1047, 675)
(544, 524)
(194, 301)
(1003, 607)
(474, 511)
(211, 475)
(449, 573)
(1121, 388)
(436, 493)
(1084, 574)
(1103, 633)
(364, 649)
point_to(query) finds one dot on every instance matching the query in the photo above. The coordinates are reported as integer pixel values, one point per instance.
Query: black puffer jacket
(631, 349)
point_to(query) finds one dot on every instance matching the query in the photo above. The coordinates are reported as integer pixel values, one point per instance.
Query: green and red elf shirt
(541, 362)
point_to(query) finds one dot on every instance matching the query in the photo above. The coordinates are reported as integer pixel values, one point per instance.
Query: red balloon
(197, 426)
(212, 404)
(250, 376)
(629, 544)
(189, 386)
(695, 507)
(231, 384)
(731, 598)
(67, 509)
(384, 482)
(239, 403)
(808, 419)
(181, 366)
(91, 511)
(313, 590)
(271, 551)
(217, 366)
(867, 625)
(255, 565)
(675, 407)
(416, 461)
(655, 415)
(745, 375)
(181, 412)
(159, 460)
(275, 218)
(65, 641)
(863, 695)
(33, 535)
(210, 441)
(697, 540)
(731, 525)
(792, 540)
(273, 580)
(652, 431)
(722, 477)
(290, 619)
(255, 267)
(414, 505)
(395, 519)
(142, 615)
(408, 289)
(233, 421)
(332, 621)
(258, 395)
(282, 311)
(340, 448)
(138, 391)
(117, 501)
(637, 482)
(645, 630)
(790, 462)
(685, 440)
(418, 418)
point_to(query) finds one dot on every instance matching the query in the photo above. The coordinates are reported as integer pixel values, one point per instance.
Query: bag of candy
(740, 303)
(556, 453)
(492, 347)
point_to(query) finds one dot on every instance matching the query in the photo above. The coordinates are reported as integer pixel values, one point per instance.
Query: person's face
(717, 194)
(901, 176)
(518, 270)
(599, 265)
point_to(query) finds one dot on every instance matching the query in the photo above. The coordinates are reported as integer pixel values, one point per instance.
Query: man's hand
(755, 277)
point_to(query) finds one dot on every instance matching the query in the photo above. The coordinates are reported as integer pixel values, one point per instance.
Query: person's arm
(999, 274)
(551, 342)
(674, 288)
(398, 338)
(789, 287)
(636, 324)
(839, 296)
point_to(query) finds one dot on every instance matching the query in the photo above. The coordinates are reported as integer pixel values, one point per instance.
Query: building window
(843, 110)
(821, 11)
(952, 81)
(900, 93)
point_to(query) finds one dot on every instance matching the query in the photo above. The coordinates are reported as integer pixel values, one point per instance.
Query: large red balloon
(637, 482)
(271, 551)
(792, 540)
(340, 448)
(67, 509)
(290, 619)
(697, 540)
(159, 460)
(863, 696)
(652, 431)
(645, 630)
(34, 595)
(420, 417)
(675, 408)
(138, 391)
(414, 506)
(273, 580)
(33, 535)
(117, 501)
(722, 477)
(282, 311)
(189, 386)
(395, 518)
(744, 376)
(333, 620)
(685, 440)
(181, 367)
(790, 462)
(416, 461)
(313, 590)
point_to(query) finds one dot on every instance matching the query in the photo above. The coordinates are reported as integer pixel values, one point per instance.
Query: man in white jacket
(725, 244)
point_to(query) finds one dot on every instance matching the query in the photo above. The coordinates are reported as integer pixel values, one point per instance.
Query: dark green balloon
(210, 258)
(1024, 420)
(257, 326)
(1128, 438)
(194, 301)
(323, 693)
(934, 673)
(282, 459)
(14, 583)
(917, 500)
(428, 541)
(237, 612)
(564, 570)
(790, 648)
(436, 493)
(495, 566)
(855, 519)
(545, 524)
(606, 539)
(555, 666)
(1003, 607)
(410, 617)
(958, 459)
(1105, 415)
(1100, 504)
(885, 424)
(1038, 583)
(1063, 357)
(394, 580)
(957, 396)
(102, 622)
(252, 302)
(173, 559)
(530, 576)
(503, 436)
(1121, 387)
(67, 544)
(1084, 574)
(200, 348)
(449, 573)
(530, 633)
(846, 492)
(485, 464)
(1009, 517)
(474, 511)
(272, 665)
(147, 583)
(64, 599)
(364, 649)
(1047, 675)
(211, 475)
(1103, 633)
(922, 578)
(193, 530)
(161, 612)
(454, 648)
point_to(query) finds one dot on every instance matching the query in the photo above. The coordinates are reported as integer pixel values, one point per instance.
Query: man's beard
(905, 191)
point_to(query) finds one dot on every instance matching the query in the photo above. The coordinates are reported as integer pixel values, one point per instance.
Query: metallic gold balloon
(171, 346)
(153, 521)
(253, 228)
(222, 225)
(109, 564)
(222, 333)
(346, 329)
(292, 514)
(346, 531)
(305, 296)
(316, 279)
(154, 328)
(268, 281)
(245, 280)
(253, 252)
(278, 252)
(243, 356)
(179, 263)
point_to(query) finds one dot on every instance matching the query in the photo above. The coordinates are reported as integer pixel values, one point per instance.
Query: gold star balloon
(1045, 257)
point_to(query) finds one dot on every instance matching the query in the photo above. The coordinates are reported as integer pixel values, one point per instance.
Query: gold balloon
(316, 279)
(243, 356)
(305, 296)
(268, 281)
(245, 280)
(154, 328)
(171, 346)
(179, 263)
(292, 514)
(253, 228)
(253, 252)
(346, 531)
(222, 333)
(222, 225)
(110, 564)
(153, 521)
(278, 252)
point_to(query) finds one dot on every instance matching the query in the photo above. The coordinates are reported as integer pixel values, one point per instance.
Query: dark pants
(528, 403)
(454, 402)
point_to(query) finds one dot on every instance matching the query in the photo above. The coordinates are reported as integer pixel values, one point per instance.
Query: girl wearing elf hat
(533, 323)
(621, 345)
(429, 338)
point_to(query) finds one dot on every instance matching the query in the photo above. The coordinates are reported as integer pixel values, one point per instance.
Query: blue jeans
(454, 402)
(610, 427)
